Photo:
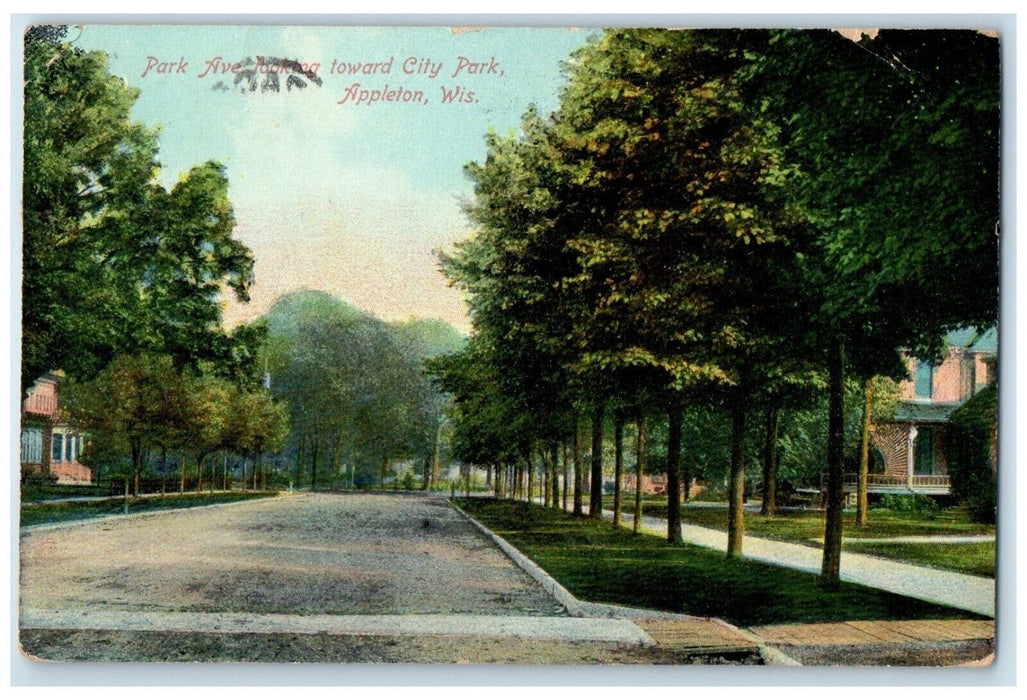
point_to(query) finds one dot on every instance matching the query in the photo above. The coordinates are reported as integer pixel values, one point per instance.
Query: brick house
(909, 451)
(50, 447)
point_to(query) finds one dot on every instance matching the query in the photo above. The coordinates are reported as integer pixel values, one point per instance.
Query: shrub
(407, 481)
(912, 504)
(970, 436)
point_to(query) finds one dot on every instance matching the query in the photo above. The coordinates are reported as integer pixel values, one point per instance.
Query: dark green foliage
(969, 444)
(114, 263)
(912, 504)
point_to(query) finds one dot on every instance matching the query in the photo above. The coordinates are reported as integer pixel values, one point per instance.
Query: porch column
(909, 457)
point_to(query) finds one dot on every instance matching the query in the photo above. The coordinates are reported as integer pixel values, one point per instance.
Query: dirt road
(302, 554)
(305, 577)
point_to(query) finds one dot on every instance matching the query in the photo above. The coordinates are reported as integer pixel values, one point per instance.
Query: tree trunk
(554, 462)
(531, 475)
(137, 459)
(769, 505)
(686, 478)
(862, 501)
(618, 464)
(163, 470)
(199, 471)
(736, 498)
(47, 457)
(181, 473)
(640, 449)
(595, 499)
(831, 568)
(674, 415)
(578, 476)
(313, 464)
(547, 472)
(436, 458)
(566, 476)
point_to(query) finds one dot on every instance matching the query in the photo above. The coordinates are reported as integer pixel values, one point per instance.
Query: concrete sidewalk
(962, 591)
(553, 627)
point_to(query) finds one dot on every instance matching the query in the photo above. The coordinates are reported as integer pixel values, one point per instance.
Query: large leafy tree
(690, 249)
(898, 138)
(512, 271)
(112, 261)
(137, 402)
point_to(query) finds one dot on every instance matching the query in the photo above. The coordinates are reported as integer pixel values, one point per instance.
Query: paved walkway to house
(918, 539)
(962, 591)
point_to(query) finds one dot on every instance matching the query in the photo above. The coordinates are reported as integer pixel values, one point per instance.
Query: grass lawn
(598, 563)
(809, 525)
(976, 558)
(66, 511)
(44, 492)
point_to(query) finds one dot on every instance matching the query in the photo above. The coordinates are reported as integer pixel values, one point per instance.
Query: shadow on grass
(598, 563)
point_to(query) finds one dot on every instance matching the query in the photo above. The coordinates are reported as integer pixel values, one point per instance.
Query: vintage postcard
(506, 345)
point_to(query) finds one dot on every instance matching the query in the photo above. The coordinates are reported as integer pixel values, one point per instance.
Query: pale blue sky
(351, 199)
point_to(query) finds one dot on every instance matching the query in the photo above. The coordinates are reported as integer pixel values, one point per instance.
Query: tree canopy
(112, 261)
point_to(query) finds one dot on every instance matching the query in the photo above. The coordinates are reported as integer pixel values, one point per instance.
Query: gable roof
(972, 340)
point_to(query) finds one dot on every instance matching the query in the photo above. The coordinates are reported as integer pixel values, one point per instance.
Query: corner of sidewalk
(579, 608)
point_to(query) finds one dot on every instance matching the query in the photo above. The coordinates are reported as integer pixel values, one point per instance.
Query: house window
(924, 379)
(967, 376)
(32, 446)
(923, 452)
(57, 451)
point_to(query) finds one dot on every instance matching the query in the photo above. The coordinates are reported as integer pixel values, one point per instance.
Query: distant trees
(355, 387)
(142, 403)
(720, 222)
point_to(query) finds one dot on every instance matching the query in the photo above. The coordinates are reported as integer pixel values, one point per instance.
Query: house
(909, 451)
(49, 447)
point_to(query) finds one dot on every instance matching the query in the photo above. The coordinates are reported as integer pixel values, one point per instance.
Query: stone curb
(564, 597)
(43, 527)
(771, 655)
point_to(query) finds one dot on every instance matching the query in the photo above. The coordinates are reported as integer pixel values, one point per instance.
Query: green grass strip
(69, 511)
(809, 525)
(601, 564)
(975, 558)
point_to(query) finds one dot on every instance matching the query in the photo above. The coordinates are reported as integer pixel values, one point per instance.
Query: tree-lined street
(724, 264)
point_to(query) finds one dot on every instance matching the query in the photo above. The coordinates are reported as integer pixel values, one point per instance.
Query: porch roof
(911, 412)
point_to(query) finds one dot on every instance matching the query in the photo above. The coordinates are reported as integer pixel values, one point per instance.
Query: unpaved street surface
(305, 577)
(305, 554)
